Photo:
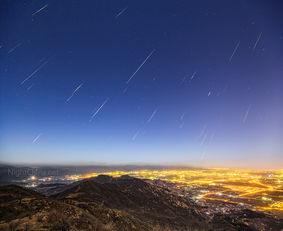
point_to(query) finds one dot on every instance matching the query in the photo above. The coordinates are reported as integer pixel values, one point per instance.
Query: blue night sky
(145, 82)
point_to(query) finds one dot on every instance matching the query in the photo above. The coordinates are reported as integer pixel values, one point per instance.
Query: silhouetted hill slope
(13, 192)
(119, 204)
(148, 202)
(28, 210)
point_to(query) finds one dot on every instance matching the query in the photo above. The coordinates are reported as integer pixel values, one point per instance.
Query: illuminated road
(260, 190)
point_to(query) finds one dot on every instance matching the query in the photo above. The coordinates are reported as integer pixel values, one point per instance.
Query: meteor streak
(33, 73)
(152, 115)
(258, 38)
(74, 92)
(234, 51)
(97, 111)
(36, 138)
(121, 12)
(42, 8)
(14, 48)
(246, 114)
(140, 66)
(193, 75)
(135, 135)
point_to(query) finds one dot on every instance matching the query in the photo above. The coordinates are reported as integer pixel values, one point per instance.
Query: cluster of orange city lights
(261, 190)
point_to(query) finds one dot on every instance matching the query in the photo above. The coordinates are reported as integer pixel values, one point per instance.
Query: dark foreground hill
(119, 204)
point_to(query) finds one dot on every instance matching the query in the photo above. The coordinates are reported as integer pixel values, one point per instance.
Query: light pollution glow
(261, 190)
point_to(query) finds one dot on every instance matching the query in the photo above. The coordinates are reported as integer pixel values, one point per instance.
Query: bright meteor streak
(140, 66)
(73, 93)
(97, 111)
(33, 73)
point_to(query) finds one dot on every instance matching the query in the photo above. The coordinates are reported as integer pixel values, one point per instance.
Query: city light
(259, 190)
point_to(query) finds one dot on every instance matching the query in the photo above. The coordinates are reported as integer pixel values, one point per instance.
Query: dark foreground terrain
(121, 204)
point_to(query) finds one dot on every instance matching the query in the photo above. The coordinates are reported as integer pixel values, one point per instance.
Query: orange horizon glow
(232, 185)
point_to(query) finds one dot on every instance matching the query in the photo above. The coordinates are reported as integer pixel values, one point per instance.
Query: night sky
(142, 82)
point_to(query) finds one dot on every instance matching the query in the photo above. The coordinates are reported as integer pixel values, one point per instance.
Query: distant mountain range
(105, 203)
